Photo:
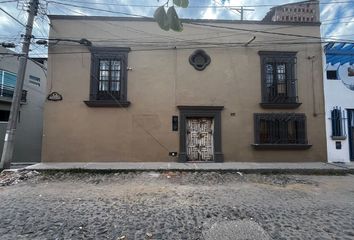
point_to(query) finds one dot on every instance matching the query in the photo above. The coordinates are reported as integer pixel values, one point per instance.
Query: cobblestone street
(174, 205)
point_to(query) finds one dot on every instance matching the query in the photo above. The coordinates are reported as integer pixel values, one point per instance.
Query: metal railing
(8, 92)
(275, 128)
(281, 93)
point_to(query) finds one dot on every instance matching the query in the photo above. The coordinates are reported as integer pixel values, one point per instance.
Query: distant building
(30, 124)
(339, 101)
(306, 11)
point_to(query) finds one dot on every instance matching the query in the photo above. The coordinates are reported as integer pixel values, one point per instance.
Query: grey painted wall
(29, 129)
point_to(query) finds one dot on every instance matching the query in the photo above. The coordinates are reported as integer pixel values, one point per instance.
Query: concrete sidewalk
(300, 168)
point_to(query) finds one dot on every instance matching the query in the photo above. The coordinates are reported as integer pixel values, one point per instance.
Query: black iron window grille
(108, 77)
(280, 128)
(278, 72)
(338, 123)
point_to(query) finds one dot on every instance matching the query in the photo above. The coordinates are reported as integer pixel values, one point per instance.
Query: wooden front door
(200, 140)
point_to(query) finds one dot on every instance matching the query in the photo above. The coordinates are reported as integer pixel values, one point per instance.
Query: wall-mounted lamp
(82, 41)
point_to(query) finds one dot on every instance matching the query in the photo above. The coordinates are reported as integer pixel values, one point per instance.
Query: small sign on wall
(174, 123)
(55, 96)
(338, 145)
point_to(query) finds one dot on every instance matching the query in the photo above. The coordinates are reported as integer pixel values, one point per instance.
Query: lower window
(280, 129)
(4, 115)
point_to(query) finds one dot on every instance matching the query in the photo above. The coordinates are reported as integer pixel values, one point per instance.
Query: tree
(170, 20)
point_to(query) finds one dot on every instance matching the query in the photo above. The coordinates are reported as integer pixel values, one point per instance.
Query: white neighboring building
(339, 101)
(28, 142)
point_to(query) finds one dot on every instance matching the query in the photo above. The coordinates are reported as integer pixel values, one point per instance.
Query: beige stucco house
(218, 91)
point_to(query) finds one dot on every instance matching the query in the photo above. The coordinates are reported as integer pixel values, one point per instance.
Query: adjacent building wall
(161, 80)
(341, 96)
(28, 143)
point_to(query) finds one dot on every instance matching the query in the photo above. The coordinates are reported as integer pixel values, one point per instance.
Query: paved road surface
(177, 206)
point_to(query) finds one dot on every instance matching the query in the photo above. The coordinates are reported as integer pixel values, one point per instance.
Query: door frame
(200, 111)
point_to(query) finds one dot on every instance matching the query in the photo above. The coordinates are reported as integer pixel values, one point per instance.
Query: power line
(335, 19)
(334, 23)
(217, 46)
(261, 31)
(11, 1)
(136, 15)
(98, 9)
(198, 24)
(180, 40)
(9, 140)
(129, 28)
(191, 6)
(12, 17)
(184, 42)
(198, 6)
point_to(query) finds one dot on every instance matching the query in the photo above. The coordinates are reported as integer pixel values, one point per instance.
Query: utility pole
(9, 141)
(241, 10)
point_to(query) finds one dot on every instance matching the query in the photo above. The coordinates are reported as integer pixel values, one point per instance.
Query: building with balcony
(30, 124)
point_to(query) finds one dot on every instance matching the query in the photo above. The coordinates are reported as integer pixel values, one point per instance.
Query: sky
(337, 16)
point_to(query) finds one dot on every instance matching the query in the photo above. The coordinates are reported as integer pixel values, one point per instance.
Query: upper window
(332, 75)
(278, 72)
(35, 80)
(7, 85)
(108, 77)
(7, 78)
(274, 129)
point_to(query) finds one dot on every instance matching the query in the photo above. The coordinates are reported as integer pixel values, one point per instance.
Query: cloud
(336, 17)
(338, 20)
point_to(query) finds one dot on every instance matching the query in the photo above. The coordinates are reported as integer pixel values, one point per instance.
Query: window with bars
(280, 128)
(338, 122)
(108, 77)
(278, 72)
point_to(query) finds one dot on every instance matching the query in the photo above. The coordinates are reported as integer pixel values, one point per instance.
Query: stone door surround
(200, 111)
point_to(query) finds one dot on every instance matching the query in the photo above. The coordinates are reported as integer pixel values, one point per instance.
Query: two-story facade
(339, 99)
(28, 142)
(218, 91)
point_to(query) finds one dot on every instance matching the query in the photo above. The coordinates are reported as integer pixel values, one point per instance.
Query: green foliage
(181, 3)
(170, 20)
(161, 18)
(173, 20)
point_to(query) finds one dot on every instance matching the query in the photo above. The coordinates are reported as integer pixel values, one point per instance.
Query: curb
(332, 171)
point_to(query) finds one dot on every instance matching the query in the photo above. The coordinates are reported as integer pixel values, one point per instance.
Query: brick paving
(174, 205)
